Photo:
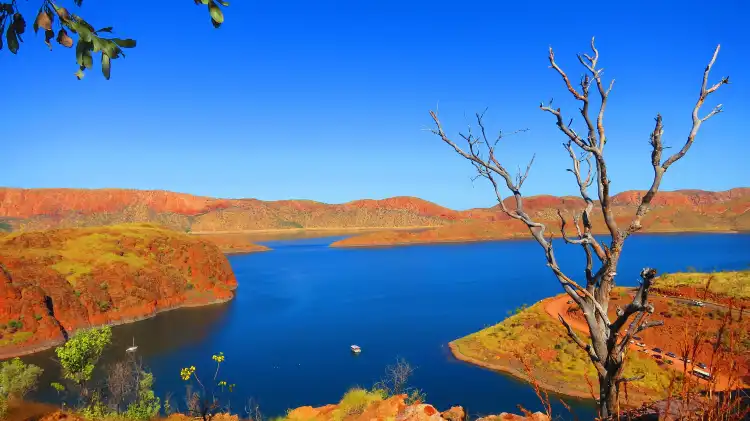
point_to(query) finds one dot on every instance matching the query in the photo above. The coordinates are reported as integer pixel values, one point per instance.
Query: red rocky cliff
(54, 282)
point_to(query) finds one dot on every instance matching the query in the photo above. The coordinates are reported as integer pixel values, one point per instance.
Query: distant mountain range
(35, 209)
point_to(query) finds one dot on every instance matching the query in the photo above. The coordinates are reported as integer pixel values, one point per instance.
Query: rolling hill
(35, 209)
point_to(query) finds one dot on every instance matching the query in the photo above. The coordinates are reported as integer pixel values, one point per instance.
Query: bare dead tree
(396, 377)
(120, 383)
(605, 347)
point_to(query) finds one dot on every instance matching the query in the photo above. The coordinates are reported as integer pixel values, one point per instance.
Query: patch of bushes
(16, 380)
(104, 305)
(355, 401)
(289, 224)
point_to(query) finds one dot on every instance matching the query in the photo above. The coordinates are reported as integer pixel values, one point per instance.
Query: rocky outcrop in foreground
(57, 281)
(392, 409)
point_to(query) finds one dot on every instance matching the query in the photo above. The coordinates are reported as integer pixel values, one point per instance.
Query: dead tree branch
(658, 147)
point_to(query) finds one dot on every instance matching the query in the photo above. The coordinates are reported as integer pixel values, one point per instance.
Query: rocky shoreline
(33, 349)
(519, 374)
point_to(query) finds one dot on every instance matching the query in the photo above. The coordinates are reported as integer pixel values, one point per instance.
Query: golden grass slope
(556, 362)
(61, 280)
(722, 286)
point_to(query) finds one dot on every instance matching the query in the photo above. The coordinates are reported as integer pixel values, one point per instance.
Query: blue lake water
(287, 333)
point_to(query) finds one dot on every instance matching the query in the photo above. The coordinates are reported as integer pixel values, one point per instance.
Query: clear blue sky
(327, 100)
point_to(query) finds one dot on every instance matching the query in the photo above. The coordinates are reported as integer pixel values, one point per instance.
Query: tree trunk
(607, 396)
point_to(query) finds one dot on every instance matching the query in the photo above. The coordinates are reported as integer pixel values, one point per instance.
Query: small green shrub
(3, 407)
(96, 409)
(17, 378)
(37, 317)
(147, 405)
(15, 324)
(416, 396)
(355, 401)
(520, 309)
(79, 355)
(59, 388)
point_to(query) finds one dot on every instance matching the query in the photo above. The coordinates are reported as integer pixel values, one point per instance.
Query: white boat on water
(356, 349)
(132, 348)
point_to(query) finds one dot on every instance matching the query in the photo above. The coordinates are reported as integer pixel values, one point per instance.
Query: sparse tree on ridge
(608, 339)
(52, 14)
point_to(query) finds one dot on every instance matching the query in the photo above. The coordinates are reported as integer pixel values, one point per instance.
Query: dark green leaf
(124, 43)
(12, 38)
(98, 43)
(84, 33)
(48, 35)
(19, 23)
(216, 15)
(106, 65)
(88, 61)
(80, 48)
(84, 23)
(107, 29)
(111, 49)
(2, 28)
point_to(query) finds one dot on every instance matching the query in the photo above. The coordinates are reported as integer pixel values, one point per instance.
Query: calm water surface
(287, 333)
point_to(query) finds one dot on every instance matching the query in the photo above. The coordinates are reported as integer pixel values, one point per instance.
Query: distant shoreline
(524, 236)
(337, 229)
(39, 347)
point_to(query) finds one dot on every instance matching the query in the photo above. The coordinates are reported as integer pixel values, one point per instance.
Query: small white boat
(356, 349)
(132, 348)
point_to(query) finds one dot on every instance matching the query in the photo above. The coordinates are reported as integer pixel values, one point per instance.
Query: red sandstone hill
(679, 211)
(54, 282)
(34, 209)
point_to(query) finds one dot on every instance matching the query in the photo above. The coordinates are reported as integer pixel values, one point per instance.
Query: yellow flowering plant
(206, 404)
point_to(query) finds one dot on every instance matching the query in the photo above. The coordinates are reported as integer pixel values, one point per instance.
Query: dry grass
(78, 251)
(725, 284)
(554, 360)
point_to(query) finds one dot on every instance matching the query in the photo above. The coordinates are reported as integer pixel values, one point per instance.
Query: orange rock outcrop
(57, 281)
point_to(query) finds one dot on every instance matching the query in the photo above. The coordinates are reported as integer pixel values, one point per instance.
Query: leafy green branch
(59, 23)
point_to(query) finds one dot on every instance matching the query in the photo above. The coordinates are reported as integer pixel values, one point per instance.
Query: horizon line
(356, 200)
